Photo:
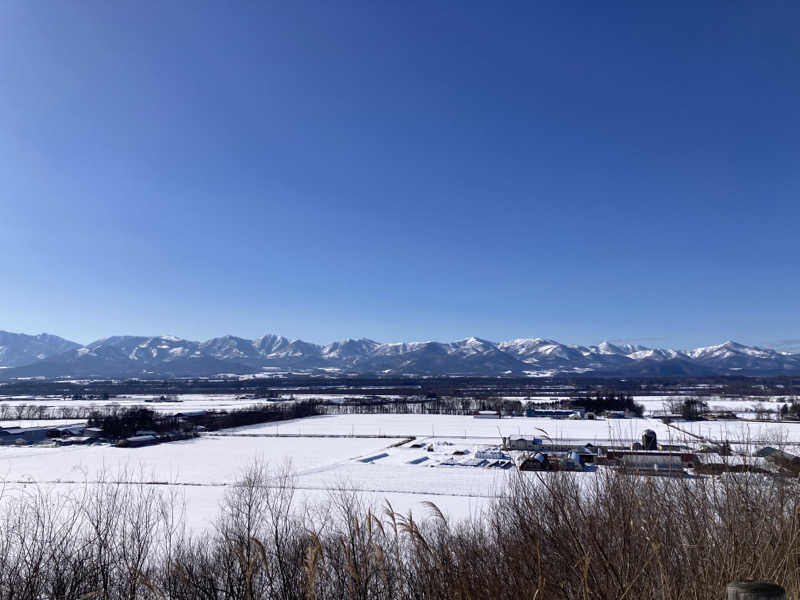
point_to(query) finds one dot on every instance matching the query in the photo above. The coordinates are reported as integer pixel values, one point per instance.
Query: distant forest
(411, 386)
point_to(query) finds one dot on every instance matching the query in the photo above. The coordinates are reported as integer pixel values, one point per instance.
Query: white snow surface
(200, 470)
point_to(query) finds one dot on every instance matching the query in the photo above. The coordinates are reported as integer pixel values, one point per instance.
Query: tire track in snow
(269, 486)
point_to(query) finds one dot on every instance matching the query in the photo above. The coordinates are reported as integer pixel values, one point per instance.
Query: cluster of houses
(648, 457)
(150, 438)
(79, 433)
(555, 413)
(164, 398)
(61, 434)
(188, 426)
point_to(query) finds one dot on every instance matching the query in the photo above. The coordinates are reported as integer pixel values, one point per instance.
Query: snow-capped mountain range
(168, 356)
(18, 349)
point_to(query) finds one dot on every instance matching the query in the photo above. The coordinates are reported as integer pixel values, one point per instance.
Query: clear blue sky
(401, 170)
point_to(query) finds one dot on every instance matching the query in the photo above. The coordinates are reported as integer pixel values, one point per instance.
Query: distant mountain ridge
(168, 356)
(19, 349)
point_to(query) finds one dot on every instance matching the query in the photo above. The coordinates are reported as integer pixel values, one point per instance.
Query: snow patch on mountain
(169, 355)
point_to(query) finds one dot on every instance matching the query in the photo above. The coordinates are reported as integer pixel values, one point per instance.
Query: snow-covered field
(325, 456)
(208, 460)
(744, 431)
(655, 405)
(652, 404)
(455, 426)
(187, 402)
(200, 469)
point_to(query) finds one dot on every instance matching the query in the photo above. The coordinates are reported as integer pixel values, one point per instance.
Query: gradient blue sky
(401, 170)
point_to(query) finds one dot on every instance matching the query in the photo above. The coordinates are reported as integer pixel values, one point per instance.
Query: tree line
(126, 422)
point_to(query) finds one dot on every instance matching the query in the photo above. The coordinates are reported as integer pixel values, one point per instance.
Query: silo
(649, 440)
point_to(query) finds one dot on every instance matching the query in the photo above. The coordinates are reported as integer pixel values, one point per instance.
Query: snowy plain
(199, 470)
(325, 454)
(654, 405)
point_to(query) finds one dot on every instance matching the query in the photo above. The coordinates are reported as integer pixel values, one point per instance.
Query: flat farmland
(372, 455)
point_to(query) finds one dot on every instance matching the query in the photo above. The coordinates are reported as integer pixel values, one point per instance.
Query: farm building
(67, 430)
(564, 447)
(191, 414)
(615, 414)
(537, 462)
(23, 435)
(715, 464)
(137, 441)
(766, 452)
(782, 460)
(521, 442)
(551, 413)
(192, 419)
(492, 454)
(570, 461)
(652, 462)
(73, 440)
(486, 414)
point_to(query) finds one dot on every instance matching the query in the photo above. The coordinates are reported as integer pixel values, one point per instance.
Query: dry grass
(558, 535)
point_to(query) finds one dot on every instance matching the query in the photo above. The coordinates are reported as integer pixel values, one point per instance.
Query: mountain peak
(166, 355)
(473, 341)
(606, 347)
(19, 349)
